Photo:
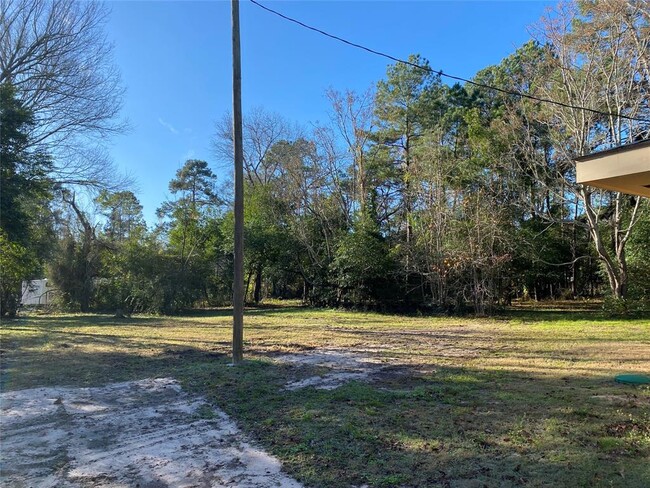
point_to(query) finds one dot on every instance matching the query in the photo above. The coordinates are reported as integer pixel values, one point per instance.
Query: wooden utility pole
(238, 284)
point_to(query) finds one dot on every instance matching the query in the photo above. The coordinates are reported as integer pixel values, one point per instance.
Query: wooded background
(416, 195)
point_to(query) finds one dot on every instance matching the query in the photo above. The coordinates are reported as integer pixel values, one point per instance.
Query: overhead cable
(442, 73)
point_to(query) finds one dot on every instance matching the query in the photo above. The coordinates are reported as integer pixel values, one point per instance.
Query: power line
(440, 72)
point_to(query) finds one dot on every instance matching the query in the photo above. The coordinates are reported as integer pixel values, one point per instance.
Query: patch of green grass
(205, 412)
(611, 444)
(526, 398)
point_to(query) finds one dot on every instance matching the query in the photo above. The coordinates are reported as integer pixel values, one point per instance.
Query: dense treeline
(417, 195)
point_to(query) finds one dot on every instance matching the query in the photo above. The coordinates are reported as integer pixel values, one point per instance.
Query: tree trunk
(257, 293)
(88, 249)
(248, 284)
(616, 265)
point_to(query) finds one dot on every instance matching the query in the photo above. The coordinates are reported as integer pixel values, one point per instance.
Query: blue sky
(175, 61)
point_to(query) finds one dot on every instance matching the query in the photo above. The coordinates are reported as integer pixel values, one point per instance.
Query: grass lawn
(523, 399)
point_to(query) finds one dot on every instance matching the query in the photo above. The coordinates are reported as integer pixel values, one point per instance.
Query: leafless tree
(262, 130)
(352, 116)
(57, 56)
(599, 61)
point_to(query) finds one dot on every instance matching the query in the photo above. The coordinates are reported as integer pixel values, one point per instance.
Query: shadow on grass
(552, 315)
(424, 337)
(76, 320)
(537, 314)
(449, 427)
(261, 309)
(82, 320)
(454, 426)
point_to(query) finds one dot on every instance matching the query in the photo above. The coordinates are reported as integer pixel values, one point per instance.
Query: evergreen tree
(24, 197)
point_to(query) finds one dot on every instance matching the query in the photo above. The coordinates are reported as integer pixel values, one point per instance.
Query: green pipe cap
(633, 379)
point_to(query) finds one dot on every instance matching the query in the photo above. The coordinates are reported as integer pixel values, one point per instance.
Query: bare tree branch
(57, 56)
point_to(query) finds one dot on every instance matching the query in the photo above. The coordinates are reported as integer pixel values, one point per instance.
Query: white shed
(36, 292)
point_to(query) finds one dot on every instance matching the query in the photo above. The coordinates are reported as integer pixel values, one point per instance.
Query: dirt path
(147, 434)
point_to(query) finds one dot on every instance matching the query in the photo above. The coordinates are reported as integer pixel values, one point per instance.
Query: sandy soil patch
(343, 367)
(448, 343)
(147, 434)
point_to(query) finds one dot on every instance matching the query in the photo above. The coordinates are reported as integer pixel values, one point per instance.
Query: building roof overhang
(624, 168)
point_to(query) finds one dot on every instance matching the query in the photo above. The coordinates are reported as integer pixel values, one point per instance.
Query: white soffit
(625, 169)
